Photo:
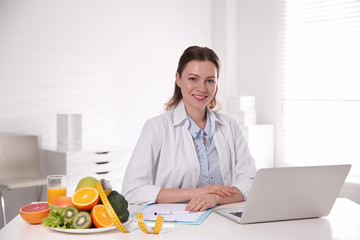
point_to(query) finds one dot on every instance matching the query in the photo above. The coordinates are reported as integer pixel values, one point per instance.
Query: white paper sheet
(149, 212)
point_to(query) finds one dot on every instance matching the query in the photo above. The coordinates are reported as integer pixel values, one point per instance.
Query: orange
(63, 201)
(34, 213)
(100, 217)
(85, 198)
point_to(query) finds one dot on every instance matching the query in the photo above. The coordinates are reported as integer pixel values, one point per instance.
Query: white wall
(115, 61)
(259, 24)
(247, 38)
(112, 61)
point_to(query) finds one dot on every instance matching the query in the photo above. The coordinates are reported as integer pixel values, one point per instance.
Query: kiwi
(69, 213)
(82, 220)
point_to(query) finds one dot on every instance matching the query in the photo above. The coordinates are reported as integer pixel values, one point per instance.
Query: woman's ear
(178, 80)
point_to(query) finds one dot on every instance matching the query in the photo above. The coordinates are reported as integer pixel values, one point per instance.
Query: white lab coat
(165, 156)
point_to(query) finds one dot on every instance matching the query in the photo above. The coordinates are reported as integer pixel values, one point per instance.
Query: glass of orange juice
(56, 187)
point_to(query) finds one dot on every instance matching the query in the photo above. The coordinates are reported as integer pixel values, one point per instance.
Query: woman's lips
(199, 98)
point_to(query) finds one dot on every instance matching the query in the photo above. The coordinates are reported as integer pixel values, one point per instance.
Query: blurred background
(114, 62)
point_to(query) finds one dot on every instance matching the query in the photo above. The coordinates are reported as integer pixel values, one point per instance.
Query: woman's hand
(220, 190)
(201, 198)
(202, 202)
(211, 195)
(208, 196)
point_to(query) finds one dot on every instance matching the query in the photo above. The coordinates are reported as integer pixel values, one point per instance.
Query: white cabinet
(107, 163)
(261, 143)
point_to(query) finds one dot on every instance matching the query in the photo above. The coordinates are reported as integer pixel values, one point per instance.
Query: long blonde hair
(194, 53)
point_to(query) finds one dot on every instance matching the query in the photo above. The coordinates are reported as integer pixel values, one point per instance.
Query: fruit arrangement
(84, 209)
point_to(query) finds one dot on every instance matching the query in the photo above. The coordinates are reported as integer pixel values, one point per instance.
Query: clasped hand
(207, 197)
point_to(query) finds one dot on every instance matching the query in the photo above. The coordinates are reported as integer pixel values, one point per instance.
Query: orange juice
(55, 192)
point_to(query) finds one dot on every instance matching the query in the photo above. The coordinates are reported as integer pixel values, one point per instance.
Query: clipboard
(190, 218)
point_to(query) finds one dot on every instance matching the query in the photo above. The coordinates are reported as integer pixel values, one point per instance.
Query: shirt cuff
(244, 195)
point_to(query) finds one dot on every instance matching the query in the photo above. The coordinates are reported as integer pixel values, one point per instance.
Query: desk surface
(342, 223)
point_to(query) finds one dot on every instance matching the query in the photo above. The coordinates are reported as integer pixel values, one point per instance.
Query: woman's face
(198, 84)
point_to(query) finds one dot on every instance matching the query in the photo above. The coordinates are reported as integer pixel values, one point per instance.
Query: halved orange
(100, 217)
(34, 213)
(85, 198)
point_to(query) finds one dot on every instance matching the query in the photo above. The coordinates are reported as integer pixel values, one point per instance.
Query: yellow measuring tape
(157, 228)
(116, 220)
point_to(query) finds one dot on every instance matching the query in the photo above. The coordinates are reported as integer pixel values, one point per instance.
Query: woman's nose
(201, 86)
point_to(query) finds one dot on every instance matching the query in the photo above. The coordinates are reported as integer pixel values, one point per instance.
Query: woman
(191, 153)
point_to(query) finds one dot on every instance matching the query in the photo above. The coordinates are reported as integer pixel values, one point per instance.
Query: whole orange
(63, 201)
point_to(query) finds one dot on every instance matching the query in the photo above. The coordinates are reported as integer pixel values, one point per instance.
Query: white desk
(342, 223)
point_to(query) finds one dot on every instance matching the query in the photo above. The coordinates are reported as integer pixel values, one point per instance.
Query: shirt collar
(195, 130)
(180, 116)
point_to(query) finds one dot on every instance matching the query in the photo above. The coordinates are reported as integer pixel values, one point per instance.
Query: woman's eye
(211, 81)
(192, 79)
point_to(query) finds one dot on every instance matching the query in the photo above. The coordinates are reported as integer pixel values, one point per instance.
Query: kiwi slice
(69, 213)
(82, 220)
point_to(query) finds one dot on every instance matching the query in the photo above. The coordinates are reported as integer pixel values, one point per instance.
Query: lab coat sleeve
(244, 163)
(138, 187)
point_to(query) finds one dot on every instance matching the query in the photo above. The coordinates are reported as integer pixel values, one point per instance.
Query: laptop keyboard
(237, 214)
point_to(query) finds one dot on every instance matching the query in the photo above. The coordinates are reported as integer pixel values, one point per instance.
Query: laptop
(290, 193)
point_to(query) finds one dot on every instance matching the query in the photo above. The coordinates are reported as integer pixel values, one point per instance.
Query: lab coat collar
(213, 118)
(180, 116)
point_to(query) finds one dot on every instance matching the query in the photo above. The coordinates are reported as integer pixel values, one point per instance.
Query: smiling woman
(198, 55)
(191, 153)
(198, 86)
